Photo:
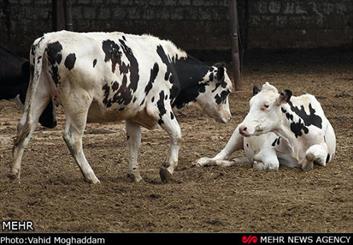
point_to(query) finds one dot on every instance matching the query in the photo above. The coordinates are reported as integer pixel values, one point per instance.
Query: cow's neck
(295, 122)
(192, 77)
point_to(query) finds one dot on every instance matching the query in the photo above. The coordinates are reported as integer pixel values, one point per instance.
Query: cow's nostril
(244, 128)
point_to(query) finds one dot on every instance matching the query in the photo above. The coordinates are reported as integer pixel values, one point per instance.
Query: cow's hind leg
(25, 128)
(133, 133)
(317, 154)
(76, 110)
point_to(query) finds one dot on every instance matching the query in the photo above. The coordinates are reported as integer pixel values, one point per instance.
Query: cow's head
(214, 98)
(265, 111)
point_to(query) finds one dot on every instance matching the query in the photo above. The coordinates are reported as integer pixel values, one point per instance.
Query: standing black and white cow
(100, 77)
(14, 79)
(280, 129)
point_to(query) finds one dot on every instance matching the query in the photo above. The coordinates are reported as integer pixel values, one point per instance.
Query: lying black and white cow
(280, 129)
(100, 77)
(14, 79)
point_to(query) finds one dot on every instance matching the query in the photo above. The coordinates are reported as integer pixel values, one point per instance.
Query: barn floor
(54, 196)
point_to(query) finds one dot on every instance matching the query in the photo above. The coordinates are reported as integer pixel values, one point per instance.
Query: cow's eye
(266, 106)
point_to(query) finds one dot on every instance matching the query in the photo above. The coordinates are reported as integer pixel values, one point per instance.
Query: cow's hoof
(307, 166)
(259, 166)
(165, 175)
(94, 180)
(203, 161)
(14, 175)
(134, 177)
(310, 157)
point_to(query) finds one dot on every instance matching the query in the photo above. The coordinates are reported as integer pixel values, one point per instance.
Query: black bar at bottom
(130, 238)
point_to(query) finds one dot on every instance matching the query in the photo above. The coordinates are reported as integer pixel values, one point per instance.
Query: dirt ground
(54, 196)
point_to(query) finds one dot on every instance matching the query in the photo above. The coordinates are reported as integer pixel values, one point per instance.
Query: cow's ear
(284, 96)
(255, 90)
(220, 71)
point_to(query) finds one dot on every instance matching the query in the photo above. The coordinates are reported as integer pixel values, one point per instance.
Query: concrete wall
(300, 23)
(192, 24)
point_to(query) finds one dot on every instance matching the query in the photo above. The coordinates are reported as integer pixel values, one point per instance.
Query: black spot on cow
(153, 75)
(191, 81)
(309, 119)
(170, 72)
(112, 53)
(172, 115)
(328, 158)
(277, 141)
(220, 75)
(70, 61)
(106, 90)
(124, 38)
(133, 67)
(143, 101)
(115, 85)
(221, 98)
(152, 99)
(123, 96)
(305, 120)
(160, 121)
(211, 76)
(94, 62)
(298, 128)
(54, 58)
(289, 116)
(160, 105)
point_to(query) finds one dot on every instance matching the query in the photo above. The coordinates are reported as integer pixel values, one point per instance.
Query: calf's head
(265, 111)
(214, 97)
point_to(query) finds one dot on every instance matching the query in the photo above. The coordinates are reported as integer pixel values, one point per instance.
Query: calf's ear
(284, 96)
(255, 90)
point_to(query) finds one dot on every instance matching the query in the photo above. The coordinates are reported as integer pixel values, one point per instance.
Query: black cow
(14, 79)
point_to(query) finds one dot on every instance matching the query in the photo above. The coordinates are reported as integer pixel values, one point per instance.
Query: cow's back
(116, 68)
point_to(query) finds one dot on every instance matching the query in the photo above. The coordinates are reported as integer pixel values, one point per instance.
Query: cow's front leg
(133, 134)
(169, 123)
(234, 143)
(266, 159)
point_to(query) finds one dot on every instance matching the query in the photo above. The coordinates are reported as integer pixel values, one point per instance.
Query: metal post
(235, 43)
(68, 15)
(58, 15)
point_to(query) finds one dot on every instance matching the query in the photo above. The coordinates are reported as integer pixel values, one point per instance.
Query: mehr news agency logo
(296, 239)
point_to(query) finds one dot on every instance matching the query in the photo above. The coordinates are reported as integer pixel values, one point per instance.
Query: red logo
(249, 239)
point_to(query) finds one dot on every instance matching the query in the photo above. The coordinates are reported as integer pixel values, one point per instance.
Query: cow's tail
(37, 55)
